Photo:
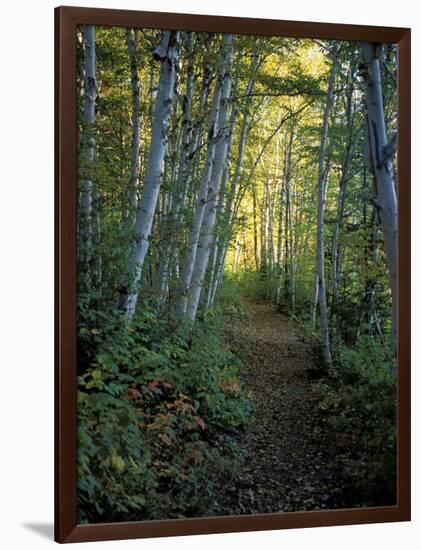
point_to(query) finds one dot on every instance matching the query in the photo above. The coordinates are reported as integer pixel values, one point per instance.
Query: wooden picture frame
(66, 527)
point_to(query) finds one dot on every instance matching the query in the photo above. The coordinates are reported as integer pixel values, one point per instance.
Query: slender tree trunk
(287, 261)
(222, 214)
(229, 211)
(279, 261)
(314, 300)
(263, 234)
(382, 153)
(321, 198)
(88, 150)
(293, 248)
(221, 150)
(180, 180)
(255, 232)
(132, 47)
(167, 54)
(343, 184)
(190, 254)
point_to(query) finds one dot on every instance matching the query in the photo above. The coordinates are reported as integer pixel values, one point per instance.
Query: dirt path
(289, 464)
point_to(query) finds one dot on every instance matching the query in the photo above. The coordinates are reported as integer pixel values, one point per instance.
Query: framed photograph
(232, 274)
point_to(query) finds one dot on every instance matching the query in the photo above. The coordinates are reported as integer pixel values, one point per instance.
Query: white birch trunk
(382, 153)
(229, 217)
(190, 254)
(88, 148)
(209, 217)
(343, 184)
(167, 54)
(321, 200)
(182, 177)
(132, 47)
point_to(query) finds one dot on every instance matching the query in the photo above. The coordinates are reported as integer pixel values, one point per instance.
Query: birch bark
(382, 153)
(209, 217)
(88, 147)
(167, 54)
(343, 184)
(182, 177)
(321, 199)
(213, 138)
(132, 47)
(229, 211)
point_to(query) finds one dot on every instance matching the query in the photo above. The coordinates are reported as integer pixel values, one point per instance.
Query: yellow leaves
(182, 405)
(81, 397)
(115, 461)
(230, 386)
(96, 374)
(160, 422)
(95, 380)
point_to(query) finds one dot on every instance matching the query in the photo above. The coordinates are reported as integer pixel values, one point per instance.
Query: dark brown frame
(66, 528)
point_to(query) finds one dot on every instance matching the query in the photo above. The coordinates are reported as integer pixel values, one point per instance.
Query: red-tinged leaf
(131, 393)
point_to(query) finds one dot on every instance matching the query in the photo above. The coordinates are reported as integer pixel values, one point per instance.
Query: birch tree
(88, 148)
(382, 152)
(209, 216)
(202, 195)
(345, 176)
(321, 197)
(132, 39)
(167, 54)
(181, 175)
(233, 190)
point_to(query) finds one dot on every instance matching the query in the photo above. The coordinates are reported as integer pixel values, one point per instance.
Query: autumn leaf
(131, 393)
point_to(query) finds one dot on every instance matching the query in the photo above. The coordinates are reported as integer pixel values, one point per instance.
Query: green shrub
(151, 405)
(255, 285)
(359, 399)
(231, 303)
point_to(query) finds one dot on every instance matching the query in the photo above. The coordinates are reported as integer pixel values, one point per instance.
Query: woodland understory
(237, 226)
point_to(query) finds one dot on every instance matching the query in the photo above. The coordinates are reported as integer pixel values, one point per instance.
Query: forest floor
(289, 458)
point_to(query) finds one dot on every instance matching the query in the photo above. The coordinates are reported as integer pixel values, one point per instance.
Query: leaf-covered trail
(289, 462)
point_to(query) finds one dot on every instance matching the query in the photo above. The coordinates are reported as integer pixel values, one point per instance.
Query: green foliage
(358, 399)
(159, 400)
(150, 407)
(255, 285)
(230, 301)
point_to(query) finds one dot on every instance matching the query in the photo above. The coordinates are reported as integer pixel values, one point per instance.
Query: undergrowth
(357, 399)
(153, 400)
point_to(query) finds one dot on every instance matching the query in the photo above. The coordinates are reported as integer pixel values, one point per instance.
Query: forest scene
(237, 269)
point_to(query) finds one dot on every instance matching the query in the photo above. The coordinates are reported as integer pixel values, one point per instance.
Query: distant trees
(204, 156)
